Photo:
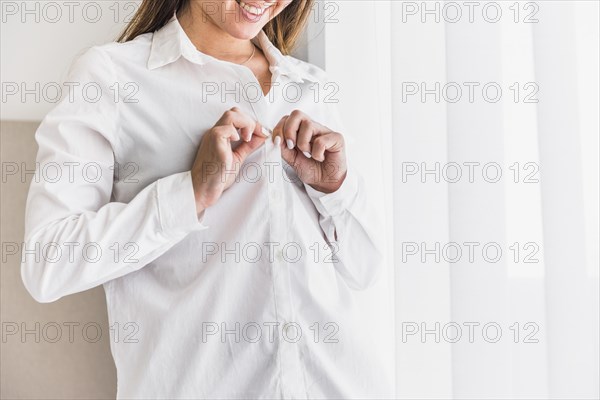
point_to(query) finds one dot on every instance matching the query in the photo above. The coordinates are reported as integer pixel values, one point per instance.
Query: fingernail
(267, 131)
(277, 140)
(290, 144)
(307, 154)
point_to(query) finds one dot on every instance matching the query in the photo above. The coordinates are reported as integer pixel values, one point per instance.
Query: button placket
(291, 368)
(292, 372)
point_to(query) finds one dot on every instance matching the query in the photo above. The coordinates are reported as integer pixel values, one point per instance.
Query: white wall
(40, 39)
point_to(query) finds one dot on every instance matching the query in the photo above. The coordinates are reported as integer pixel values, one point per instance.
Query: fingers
(278, 130)
(247, 148)
(307, 131)
(299, 131)
(331, 142)
(226, 132)
(245, 125)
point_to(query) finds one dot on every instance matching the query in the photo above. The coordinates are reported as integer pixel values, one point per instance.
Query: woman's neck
(212, 40)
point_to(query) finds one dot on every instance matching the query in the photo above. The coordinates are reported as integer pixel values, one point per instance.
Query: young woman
(196, 173)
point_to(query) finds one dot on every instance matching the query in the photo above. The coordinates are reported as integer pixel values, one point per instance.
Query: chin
(243, 31)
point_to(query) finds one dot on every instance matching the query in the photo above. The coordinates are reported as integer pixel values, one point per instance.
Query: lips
(255, 9)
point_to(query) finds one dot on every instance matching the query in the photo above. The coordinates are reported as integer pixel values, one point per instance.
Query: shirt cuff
(177, 205)
(335, 203)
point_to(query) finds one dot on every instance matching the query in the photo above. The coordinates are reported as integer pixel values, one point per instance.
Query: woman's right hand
(217, 164)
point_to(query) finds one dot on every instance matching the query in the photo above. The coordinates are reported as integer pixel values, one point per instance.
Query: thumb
(246, 148)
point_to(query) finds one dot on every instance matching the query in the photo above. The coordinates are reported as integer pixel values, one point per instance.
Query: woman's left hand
(317, 154)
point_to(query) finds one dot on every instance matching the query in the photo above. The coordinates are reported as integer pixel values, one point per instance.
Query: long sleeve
(349, 220)
(75, 237)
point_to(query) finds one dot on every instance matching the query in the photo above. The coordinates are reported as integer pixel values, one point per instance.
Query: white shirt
(242, 301)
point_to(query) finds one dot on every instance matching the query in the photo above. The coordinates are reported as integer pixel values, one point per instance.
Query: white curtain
(478, 128)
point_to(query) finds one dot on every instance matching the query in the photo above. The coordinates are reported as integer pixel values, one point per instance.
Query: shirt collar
(171, 42)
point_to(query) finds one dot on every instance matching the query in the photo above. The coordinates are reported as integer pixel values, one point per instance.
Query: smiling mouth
(253, 10)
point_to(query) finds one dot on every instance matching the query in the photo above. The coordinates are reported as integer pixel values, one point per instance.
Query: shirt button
(274, 196)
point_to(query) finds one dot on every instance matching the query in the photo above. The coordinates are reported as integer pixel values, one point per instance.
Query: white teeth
(254, 10)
